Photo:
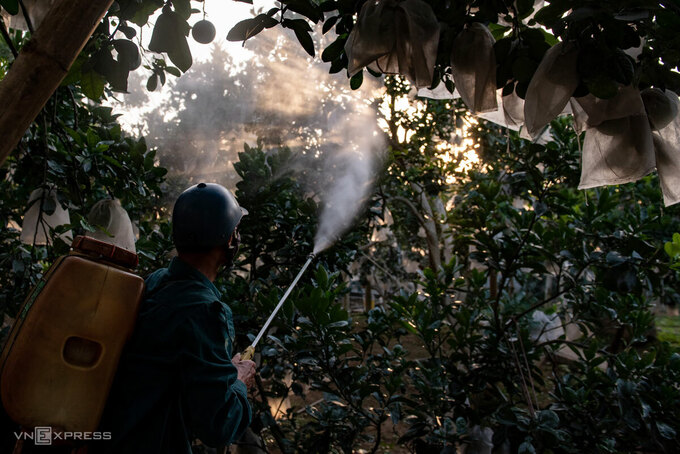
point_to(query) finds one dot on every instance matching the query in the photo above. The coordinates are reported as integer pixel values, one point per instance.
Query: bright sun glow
(224, 14)
(464, 152)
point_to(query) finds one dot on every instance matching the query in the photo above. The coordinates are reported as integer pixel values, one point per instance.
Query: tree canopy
(602, 31)
(516, 310)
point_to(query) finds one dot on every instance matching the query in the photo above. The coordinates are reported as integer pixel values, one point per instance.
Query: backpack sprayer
(250, 350)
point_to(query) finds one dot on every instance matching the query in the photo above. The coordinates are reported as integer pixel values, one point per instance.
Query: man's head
(205, 218)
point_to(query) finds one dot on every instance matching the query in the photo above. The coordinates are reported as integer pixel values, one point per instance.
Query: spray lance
(351, 167)
(250, 351)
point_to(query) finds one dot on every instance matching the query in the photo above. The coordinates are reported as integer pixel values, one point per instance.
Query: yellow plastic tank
(62, 353)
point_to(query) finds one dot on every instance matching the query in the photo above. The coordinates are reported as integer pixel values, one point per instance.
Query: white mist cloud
(350, 171)
(277, 93)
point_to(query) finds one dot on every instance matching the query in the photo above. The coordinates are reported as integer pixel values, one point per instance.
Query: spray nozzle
(311, 256)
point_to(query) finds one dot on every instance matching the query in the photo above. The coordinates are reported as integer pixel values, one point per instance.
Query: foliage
(207, 115)
(81, 151)
(438, 368)
(459, 356)
(669, 329)
(415, 187)
(523, 224)
(524, 31)
(276, 238)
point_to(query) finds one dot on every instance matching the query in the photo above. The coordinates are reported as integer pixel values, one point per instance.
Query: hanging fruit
(112, 223)
(203, 31)
(551, 87)
(169, 35)
(393, 37)
(44, 214)
(661, 107)
(473, 64)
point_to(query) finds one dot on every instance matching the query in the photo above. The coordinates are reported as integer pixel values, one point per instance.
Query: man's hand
(245, 370)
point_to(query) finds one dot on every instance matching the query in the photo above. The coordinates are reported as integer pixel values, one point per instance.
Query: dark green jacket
(176, 380)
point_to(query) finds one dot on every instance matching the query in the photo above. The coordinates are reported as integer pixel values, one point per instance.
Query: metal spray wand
(250, 351)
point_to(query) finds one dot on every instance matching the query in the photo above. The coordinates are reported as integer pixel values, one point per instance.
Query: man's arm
(214, 399)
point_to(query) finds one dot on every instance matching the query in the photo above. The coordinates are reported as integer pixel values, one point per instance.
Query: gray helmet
(204, 217)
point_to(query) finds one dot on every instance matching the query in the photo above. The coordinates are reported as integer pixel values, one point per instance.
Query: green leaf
(670, 250)
(182, 7)
(328, 6)
(632, 15)
(11, 6)
(75, 135)
(548, 418)
(181, 55)
(334, 49)
(602, 86)
(526, 448)
(172, 70)
(152, 83)
(338, 324)
(306, 8)
(302, 32)
(115, 72)
(549, 38)
(356, 80)
(163, 38)
(139, 14)
(550, 14)
(329, 23)
(665, 430)
(524, 7)
(113, 161)
(339, 64)
(92, 138)
(118, 76)
(321, 277)
(128, 31)
(128, 53)
(92, 84)
(74, 73)
(250, 27)
(305, 40)
(621, 67)
(523, 69)
(296, 24)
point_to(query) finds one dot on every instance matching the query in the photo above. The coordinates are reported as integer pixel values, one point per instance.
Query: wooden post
(368, 297)
(42, 64)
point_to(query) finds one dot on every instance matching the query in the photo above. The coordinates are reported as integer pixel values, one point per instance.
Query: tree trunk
(42, 64)
(430, 226)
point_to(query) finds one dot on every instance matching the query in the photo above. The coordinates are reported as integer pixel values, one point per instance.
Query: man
(177, 379)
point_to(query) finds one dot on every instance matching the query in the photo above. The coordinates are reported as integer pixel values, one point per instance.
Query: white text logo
(43, 435)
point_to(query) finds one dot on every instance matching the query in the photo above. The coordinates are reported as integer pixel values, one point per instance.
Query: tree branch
(413, 208)
(547, 300)
(42, 64)
(431, 237)
(7, 38)
(27, 18)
